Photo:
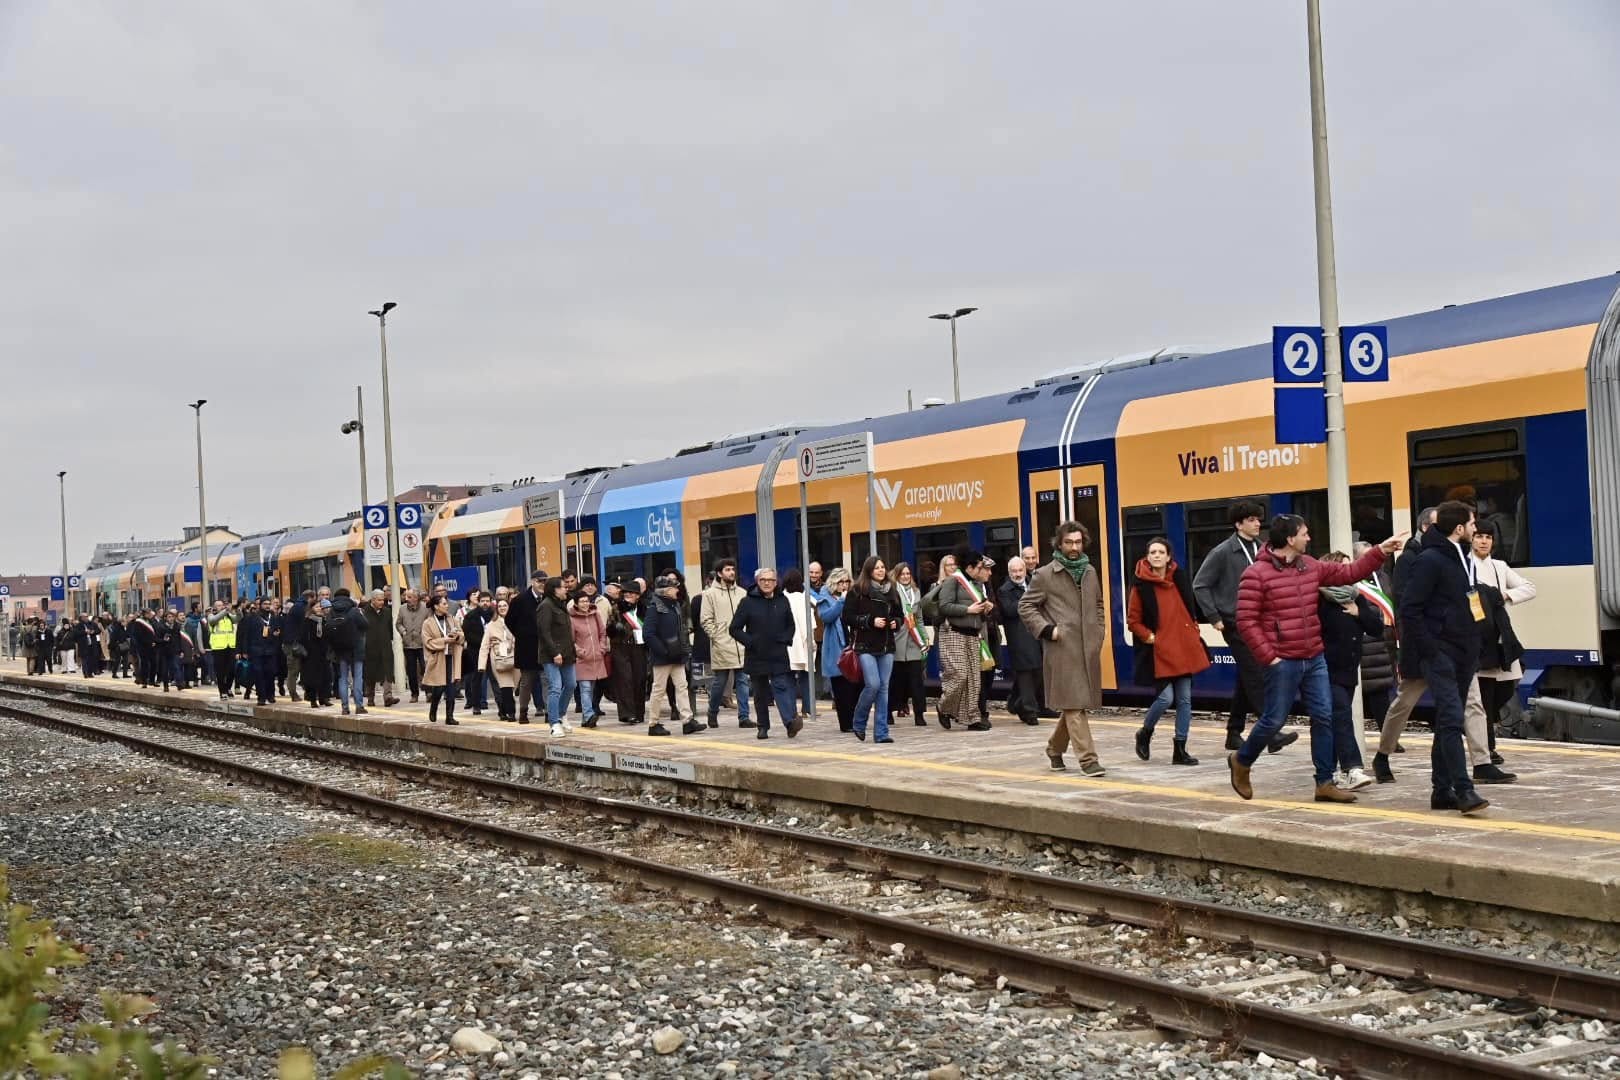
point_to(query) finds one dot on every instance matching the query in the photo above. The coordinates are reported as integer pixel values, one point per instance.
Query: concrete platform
(1550, 843)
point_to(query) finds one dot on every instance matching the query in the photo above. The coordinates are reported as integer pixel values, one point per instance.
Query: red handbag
(849, 664)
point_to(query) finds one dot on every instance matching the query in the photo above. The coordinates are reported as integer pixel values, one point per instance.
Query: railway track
(1357, 1002)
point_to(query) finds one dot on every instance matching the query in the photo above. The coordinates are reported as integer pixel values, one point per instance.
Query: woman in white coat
(1498, 684)
(799, 653)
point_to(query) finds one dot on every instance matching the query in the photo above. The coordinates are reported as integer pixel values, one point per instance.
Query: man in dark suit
(1023, 651)
(522, 618)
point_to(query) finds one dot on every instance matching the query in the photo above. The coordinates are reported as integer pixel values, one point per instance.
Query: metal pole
(809, 601)
(202, 509)
(909, 406)
(956, 370)
(67, 596)
(395, 569)
(1338, 455)
(871, 498)
(360, 418)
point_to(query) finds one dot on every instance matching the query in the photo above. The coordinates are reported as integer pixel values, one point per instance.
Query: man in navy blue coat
(1441, 616)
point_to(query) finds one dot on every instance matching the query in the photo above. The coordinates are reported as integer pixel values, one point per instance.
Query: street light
(202, 510)
(61, 484)
(956, 370)
(357, 426)
(394, 567)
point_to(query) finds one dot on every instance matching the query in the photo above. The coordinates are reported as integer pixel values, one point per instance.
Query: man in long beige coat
(1063, 608)
(720, 603)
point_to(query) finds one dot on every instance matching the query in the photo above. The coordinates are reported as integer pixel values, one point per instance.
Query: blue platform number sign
(5, 590)
(75, 581)
(410, 516)
(376, 517)
(58, 589)
(1296, 354)
(1301, 413)
(1366, 353)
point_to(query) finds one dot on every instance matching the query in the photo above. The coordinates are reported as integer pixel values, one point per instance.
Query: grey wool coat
(1072, 664)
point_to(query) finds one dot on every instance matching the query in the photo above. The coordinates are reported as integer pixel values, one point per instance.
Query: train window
(1370, 515)
(1208, 524)
(616, 534)
(826, 539)
(738, 451)
(1088, 512)
(1001, 544)
(931, 545)
(584, 555)
(509, 568)
(1142, 523)
(1023, 396)
(888, 548)
(621, 567)
(717, 540)
(1485, 467)
(1068, 388)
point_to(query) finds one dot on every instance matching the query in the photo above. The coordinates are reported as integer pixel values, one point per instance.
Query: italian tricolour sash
(635, 623)
(918, 634)
(1379, 599)
(986, 657)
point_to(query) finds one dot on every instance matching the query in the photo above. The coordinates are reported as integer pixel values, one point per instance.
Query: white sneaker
(567, 728)
(1355, 780)
(558, 731)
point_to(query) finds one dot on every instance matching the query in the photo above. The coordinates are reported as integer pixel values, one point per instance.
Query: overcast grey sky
(617, 229)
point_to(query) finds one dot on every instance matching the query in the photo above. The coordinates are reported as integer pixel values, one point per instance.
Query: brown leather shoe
(1240, 776)
(1331, 792)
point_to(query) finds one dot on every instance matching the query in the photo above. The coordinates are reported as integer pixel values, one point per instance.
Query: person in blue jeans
(1277, 616)
(871, 616)
(764, 626)
(557, 653)
(1167, 648)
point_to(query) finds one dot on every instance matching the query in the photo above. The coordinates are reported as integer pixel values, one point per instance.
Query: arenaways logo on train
(926, 502)
(1241, 458)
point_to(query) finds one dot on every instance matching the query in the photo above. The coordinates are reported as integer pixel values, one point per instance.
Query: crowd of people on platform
(1300, 630)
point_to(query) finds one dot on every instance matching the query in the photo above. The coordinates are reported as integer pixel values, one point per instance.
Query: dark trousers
(317, 677)
(1025, 702)
(505, 702)
(845, 695)
(477, 691)
(909, 684)
(224, 669)
(1448, 758)
(413, 670)
(447, 694)
(148, 658)
(1250, 696)
(295, 671)
(986, 678)
(1375, 705)
(264, 677)
(1346, 732)
(778, 687)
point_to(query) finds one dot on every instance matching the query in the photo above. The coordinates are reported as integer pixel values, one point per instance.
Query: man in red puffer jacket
(1276, 614)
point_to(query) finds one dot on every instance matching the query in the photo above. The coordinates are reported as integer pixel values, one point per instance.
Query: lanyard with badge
(1475, 604)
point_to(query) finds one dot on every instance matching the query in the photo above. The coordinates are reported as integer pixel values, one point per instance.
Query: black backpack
(340, 633)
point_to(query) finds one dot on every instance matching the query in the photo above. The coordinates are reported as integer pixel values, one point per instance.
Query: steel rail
(1188, 1010)
(1515, 979)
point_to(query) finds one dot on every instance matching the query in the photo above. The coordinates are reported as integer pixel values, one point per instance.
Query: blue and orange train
(1512, 402)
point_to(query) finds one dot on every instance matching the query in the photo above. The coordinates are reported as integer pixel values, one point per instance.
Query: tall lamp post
(395, 569)
(956, 369)
(67, 597)
(202, 509)
(1327, 289)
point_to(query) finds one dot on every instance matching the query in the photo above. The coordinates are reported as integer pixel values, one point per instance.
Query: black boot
(1180, 755)
(1234, 740)
(1144, 743)
(1381, 771)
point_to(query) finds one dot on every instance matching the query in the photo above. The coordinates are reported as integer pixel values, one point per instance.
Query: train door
(1090, 510)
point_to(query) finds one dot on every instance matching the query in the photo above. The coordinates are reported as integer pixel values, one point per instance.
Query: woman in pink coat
(592, 647)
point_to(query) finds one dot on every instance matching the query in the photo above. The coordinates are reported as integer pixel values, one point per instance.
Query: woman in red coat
(1169, 650)
(591, 644)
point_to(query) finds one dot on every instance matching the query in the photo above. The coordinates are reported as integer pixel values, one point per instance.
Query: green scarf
(1337, 594)
(1076, 566)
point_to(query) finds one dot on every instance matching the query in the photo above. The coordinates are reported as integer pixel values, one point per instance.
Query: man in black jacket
(668, 647)
(1441, 617)
(1215, 589)
(764, 626)
(259, 639)
(346, 630)
(522, 618)
(480, 609)
(1023, 650)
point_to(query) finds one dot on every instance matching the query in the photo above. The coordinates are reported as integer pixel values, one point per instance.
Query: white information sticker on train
(846, 455)
(666, 770)
(575, 755)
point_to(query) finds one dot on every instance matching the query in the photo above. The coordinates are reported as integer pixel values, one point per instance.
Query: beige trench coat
(1071, 665)
(443, 655)
(496, 631)
(719, 605)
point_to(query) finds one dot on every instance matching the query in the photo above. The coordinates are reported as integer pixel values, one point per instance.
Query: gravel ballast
(256, 922)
